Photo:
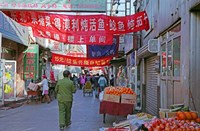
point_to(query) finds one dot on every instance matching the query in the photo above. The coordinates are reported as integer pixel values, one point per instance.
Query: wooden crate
(128, 98)
(111, 98)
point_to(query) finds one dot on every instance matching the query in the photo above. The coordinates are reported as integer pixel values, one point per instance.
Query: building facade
(170, 76)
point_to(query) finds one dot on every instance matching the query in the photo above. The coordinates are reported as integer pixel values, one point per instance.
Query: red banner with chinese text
(78, 61)
(97, 39)
(82, 28)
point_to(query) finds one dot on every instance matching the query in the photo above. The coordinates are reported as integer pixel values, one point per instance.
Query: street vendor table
(112, 108)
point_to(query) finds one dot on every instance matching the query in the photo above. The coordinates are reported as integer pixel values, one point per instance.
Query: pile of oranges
(190, 116)
(118, 90)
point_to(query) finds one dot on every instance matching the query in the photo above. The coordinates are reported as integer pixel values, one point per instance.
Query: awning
(118, 61)
(13, 31)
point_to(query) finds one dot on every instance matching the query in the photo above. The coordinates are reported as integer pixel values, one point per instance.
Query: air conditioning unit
(153, 46)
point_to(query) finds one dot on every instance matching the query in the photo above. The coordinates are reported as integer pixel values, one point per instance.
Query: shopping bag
(7, 89)
(32, 86)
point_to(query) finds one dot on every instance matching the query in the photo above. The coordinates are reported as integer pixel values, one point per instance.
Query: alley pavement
(44, 117)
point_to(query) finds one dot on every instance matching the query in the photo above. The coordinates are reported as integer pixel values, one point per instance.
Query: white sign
(153, 46)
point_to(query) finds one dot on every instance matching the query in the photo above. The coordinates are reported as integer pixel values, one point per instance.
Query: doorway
(171, 90)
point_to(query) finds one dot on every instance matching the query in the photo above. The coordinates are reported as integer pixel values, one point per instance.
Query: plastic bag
(32, 86)
(101, 96)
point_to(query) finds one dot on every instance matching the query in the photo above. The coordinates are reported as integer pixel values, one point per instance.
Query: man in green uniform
(64, 90)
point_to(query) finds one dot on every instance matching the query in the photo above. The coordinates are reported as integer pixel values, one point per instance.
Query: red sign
(98, 39)
(75, 61)
(75, 27)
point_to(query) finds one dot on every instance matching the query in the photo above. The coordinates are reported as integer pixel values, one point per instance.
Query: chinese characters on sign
(31, 62)
(75, 61)
(92, 29)
(97, 51)
(97, 39)
(54, 5)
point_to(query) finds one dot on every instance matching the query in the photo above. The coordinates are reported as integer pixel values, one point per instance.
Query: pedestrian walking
(64, 90)
(82, 81)
(112, 80)
(45, 88)
(102, 82)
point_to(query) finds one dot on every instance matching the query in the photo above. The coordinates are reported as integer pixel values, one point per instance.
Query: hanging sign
(96, 51)
(98, 39)
(31, 62)
(75, 61)
(96, 27)
(55, 5)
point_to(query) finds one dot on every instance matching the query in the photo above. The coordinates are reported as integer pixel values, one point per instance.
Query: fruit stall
(117, 101)
(177, 118)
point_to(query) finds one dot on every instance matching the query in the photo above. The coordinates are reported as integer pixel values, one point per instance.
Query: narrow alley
(44, 117)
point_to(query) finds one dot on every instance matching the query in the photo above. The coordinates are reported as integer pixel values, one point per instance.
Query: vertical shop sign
(31, 62)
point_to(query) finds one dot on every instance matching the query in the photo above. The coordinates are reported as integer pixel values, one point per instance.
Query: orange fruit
(181, 116)
(188, 116)
(194, 115)
(198, 120)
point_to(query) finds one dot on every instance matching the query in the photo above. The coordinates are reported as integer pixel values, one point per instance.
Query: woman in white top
(45, 88)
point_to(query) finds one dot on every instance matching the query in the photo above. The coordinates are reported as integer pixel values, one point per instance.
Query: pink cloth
(82, 79)
(46, 92)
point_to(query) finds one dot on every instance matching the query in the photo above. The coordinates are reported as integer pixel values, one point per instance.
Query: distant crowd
(98, 82)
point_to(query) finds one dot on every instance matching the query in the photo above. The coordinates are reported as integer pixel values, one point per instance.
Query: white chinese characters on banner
(87, 29)
(75, 39)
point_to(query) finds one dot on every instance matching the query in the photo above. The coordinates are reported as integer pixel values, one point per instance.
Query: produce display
(171, 124)
(118, 90)
(189, 116)
(141, 115)
(178, 107)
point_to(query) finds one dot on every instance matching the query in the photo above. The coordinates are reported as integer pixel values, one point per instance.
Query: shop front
(14, 42)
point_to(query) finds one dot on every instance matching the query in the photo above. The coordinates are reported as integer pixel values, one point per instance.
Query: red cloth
(113, 108)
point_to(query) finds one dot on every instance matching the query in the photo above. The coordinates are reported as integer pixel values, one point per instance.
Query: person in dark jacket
(112, 80)
(64, 90)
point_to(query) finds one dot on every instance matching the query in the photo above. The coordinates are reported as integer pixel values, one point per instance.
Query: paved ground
(44, 117)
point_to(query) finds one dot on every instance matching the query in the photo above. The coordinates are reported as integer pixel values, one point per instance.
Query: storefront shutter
(152, 97)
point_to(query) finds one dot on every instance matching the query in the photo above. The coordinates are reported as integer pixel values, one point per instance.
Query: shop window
(163, 59)
(169, 58)
(176, 56)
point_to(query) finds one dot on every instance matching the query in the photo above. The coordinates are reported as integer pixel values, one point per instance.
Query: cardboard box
(163, 114)
(111, 98)
(170, 114)
(128, 98)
